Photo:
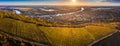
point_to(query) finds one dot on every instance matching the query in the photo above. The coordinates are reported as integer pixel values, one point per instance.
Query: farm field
(32, 30)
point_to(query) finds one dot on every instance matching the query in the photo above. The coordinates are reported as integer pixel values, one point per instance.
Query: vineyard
(42, 32)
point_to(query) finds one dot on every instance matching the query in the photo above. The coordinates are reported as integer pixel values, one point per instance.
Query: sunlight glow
(73, 0)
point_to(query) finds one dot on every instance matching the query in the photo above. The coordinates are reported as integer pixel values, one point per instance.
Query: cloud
(117, 1)
(58, 0)
(63, 3)
(93, 0)
(113, 1)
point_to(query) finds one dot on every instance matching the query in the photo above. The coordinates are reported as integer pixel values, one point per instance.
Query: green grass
(56, 36)
(99, 31)
(76, 36)
(21, 29)
(68, 36)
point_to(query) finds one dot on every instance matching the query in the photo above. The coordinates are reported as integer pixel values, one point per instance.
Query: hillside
(42, 32)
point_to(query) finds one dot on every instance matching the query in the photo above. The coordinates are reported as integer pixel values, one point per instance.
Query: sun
(73, 0)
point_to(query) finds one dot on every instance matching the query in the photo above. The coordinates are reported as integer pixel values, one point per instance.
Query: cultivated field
(39, 31)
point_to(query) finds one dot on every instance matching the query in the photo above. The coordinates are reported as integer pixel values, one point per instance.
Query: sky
(60, 2)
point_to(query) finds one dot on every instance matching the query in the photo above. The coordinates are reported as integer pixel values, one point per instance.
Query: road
(113, 40)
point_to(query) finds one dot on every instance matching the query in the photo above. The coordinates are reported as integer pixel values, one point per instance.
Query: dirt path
(113, 40)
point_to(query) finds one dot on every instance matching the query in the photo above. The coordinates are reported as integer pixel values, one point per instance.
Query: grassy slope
(57, 36)
(75, 36)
